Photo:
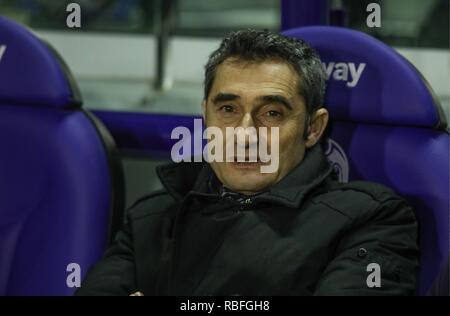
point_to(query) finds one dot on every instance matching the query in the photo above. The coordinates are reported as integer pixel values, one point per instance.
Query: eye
(227, 108)
(274, 113)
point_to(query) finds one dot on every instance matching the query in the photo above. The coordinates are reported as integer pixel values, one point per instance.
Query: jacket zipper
(246, 204)
(171, 249)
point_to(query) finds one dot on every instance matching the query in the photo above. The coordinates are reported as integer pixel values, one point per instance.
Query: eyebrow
(224, 97)
(278, 99)
(272, 98)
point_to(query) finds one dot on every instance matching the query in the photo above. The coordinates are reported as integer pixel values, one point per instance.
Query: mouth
(244, 163)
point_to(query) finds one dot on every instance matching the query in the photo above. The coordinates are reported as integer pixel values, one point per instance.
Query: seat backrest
(60, 175)
(387, 127)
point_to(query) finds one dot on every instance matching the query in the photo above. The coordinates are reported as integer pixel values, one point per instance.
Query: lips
(244, 160)
(246, 165)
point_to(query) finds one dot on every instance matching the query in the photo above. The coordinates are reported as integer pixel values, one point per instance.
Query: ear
(317, 126)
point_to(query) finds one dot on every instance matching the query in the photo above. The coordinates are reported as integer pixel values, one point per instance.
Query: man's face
(257, 94)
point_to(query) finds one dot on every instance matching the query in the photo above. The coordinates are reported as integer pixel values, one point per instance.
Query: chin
(247, 180)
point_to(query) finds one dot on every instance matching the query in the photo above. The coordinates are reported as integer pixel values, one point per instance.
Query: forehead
(249, 77)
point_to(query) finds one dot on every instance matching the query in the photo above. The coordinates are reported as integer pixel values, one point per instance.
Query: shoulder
(362, 200)
(153, 203)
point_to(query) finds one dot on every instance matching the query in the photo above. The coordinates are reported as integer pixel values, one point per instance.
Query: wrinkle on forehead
(253, 78)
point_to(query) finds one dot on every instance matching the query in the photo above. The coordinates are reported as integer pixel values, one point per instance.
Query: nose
(247, 121)
(246, 131)
(247, 138)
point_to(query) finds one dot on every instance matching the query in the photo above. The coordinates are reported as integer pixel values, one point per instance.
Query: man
(226, 228)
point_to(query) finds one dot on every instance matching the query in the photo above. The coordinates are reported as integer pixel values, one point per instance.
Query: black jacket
(307, 235)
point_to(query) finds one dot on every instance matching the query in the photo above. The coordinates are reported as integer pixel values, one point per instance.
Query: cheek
(211, 120)
(290, 137)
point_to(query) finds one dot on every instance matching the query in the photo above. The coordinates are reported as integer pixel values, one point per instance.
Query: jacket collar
(306, 176)
(189, 177)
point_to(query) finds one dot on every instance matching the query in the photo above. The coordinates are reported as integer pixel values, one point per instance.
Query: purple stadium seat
(387, 127)
(60, 175)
